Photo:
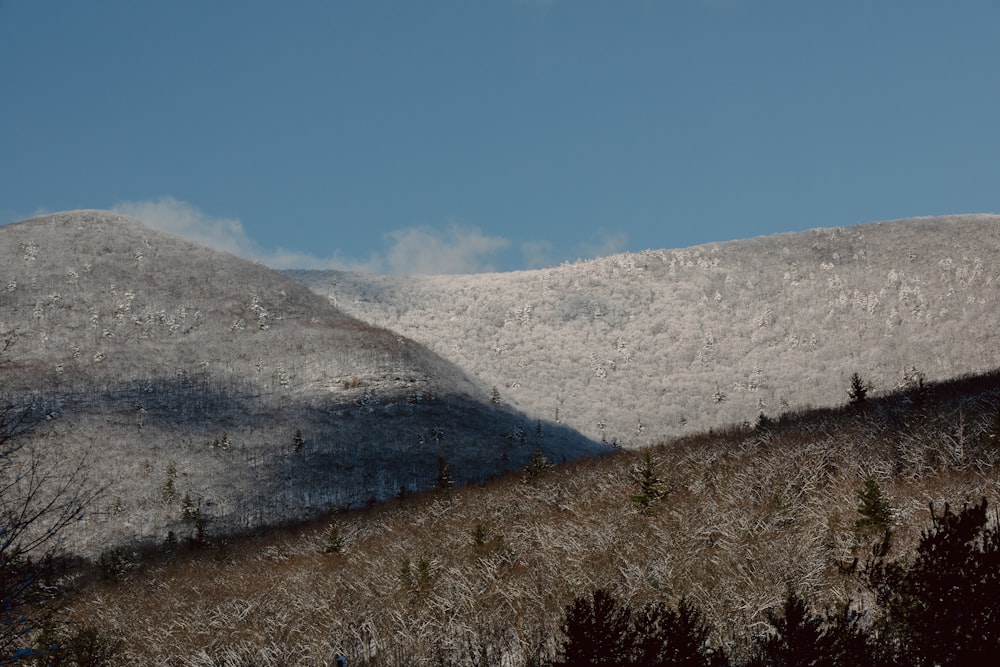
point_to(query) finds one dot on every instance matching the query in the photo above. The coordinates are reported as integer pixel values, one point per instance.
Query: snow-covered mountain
(636, 347)
(189, 378)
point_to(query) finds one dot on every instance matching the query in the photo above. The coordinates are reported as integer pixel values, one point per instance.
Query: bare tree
(39, 499)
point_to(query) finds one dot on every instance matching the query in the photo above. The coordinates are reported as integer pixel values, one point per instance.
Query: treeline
(938, 608)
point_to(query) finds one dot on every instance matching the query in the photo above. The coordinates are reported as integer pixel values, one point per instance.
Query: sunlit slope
(189, 373)
(634, 347)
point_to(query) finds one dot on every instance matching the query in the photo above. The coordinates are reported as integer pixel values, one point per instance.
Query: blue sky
(471, 135)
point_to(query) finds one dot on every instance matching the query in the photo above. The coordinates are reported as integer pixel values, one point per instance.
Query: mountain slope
(746, 516)
(636, 347)
(195, 381)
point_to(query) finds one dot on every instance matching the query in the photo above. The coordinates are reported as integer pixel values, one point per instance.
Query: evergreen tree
(539, 463)
(672, 637)
(858, 393)
(874, 508)
(799, 638)
(187, 507)
(168, 491)
(942, 609)
(199, 538)
(597, 630)
(601, 630)
(444, 480)
(651, 489)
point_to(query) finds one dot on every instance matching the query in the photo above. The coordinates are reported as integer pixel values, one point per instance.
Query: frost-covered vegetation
(636, 347)
(199, 385)
(729, 523)
(202, 398)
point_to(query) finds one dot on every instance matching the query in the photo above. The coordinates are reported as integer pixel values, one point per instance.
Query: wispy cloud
(227, 234)
(457, 249)
(177, 217)
(412, 250)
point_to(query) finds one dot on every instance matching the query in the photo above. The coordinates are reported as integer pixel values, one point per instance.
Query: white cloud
(227, 234)
(177, 217)
(456, 250)
(411, 250)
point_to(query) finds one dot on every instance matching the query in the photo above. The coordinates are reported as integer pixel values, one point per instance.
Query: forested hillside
(636, 347)
(198, 387)
(730, 523)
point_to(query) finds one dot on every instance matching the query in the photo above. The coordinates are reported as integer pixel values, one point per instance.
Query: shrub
(80, 647)
(334, 540)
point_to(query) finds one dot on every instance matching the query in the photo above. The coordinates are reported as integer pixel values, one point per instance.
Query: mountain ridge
(191, 378)
(637, 347)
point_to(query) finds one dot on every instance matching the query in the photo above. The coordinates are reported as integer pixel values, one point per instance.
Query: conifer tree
(539, 463)
(168, 491)
(673, 637)
(597, 631)
(858, 393)
(874, 508)
(651, 489)
(942, 609)
(799, 638)
(444, 480)
(601, 630)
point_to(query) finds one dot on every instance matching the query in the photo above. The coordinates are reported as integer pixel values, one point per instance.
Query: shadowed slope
(199, 380)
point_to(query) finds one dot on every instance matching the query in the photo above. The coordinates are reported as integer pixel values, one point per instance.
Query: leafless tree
(39, 499)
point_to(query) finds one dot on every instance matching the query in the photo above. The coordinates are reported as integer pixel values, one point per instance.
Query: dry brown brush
(481, 576)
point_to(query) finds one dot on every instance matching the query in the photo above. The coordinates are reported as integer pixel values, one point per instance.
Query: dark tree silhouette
(858, 393)
(799, 638)
(601, 630)
(673, 637)
(597, 630)
(942, 609)
(444, 480)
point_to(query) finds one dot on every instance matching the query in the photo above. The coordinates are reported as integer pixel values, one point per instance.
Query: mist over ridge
(636, 347)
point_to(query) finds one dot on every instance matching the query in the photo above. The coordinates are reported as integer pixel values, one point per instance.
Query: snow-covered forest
(637, 347)
(194, 383)
(208, 407)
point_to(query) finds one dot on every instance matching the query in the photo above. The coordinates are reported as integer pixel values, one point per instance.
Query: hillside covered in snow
(194, 384)
(638, 347)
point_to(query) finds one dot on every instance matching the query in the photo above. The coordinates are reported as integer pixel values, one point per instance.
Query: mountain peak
(167, 364)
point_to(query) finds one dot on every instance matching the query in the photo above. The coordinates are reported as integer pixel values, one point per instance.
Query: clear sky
(468, 135)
